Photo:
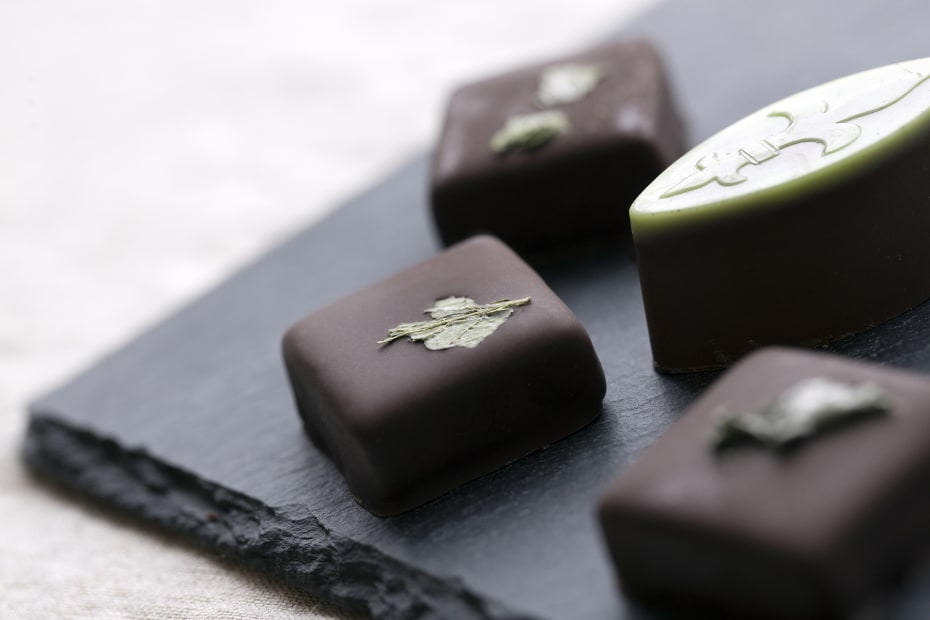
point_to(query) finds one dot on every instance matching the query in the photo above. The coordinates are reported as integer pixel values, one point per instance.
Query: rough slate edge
(702, 72)
(289, 542)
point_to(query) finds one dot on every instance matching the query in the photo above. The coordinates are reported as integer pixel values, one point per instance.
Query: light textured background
(148, 149)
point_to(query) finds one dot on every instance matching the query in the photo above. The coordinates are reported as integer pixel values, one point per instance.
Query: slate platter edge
(346, 573)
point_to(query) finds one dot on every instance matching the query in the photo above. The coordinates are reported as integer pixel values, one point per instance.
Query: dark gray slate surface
(191, 427)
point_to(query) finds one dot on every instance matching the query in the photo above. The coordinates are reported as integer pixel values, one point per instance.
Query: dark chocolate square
(576, 186)
(808, 531)
(406, 424)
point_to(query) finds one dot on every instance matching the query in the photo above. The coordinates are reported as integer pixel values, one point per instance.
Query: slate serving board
(192, 428)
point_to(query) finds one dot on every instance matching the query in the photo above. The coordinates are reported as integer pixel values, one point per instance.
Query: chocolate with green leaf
(550, 155)
(800, 224)
(410, 409)
(815, 531)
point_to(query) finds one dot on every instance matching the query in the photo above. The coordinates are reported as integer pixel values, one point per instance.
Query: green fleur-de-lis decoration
(831, 124)
(456, 322)
(525, 132)
(804, 409)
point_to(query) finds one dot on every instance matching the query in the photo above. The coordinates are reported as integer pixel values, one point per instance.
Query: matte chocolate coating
(811, 532)
(406, 424)
(578, 185)
(799, 225)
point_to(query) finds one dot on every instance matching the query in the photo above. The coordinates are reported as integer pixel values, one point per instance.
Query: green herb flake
(526, 132)
(805, 409)
(568, 83)
(456, 322)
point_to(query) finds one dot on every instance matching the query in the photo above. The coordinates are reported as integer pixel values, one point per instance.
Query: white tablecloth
(148, 149)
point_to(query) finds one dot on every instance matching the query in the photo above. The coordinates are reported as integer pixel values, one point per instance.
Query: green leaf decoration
(456, 322)
(568, 83)
(803, 410)
(526, 132)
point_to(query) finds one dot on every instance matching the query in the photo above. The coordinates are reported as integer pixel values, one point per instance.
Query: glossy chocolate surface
(404, 423)
(574, 187)
(809, 532)
(799, 225)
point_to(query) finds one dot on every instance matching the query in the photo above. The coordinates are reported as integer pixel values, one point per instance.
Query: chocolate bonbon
(803, 223)
(551, 154)
(440, 374)
(812, 527)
